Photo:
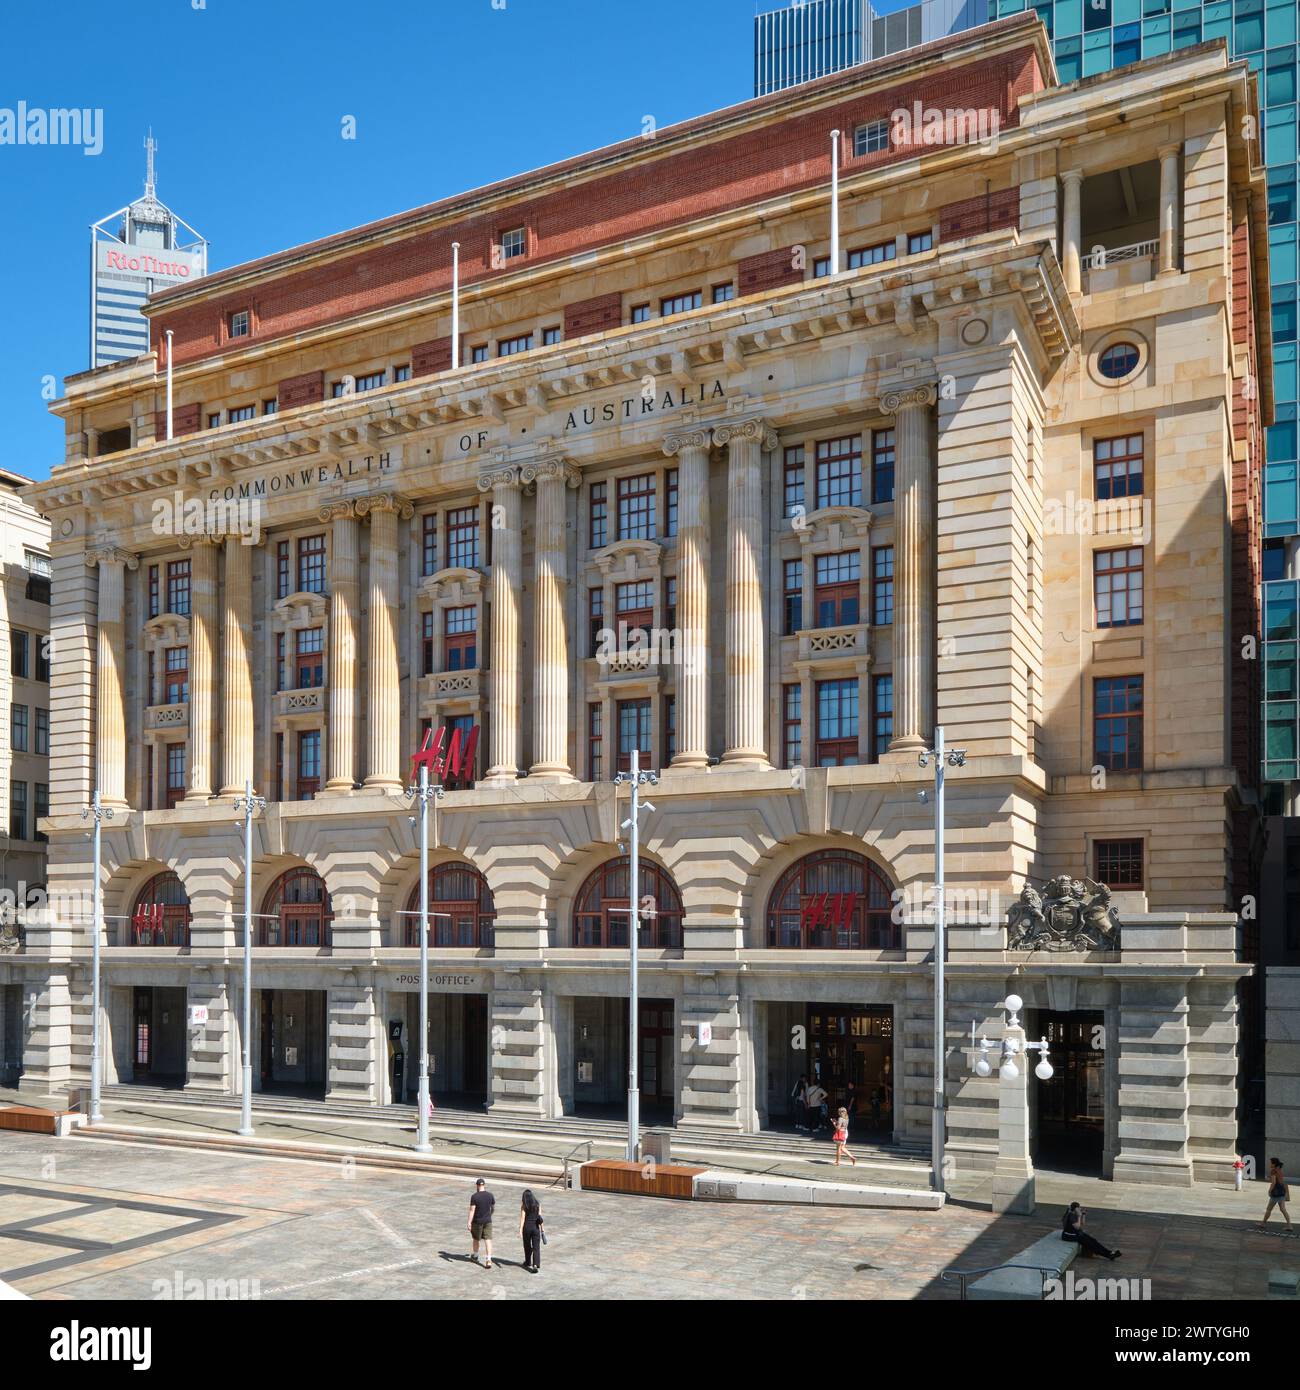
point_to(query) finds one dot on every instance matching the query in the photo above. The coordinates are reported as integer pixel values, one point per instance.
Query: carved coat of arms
(1071, 914)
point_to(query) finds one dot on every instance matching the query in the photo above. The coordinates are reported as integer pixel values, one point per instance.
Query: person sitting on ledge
(1072, 1229)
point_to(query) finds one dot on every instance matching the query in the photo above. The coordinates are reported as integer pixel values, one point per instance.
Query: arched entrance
(161, 914)
(160, 919)
(291, 1038)
(600, 911)
(833, 899)
(296, 911)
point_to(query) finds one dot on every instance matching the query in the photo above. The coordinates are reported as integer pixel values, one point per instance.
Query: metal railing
(564, 1177)
(1108, 256)
(963, 1275)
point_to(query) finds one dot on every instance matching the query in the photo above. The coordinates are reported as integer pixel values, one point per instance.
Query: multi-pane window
(40, 573)
(839, 472)
(42, 730)
(551, 336)
(821, 267)
(837, 589)
(1117, 863)
(882, 585)
(282, 583)
(670, 601)
(872, 255)
(402, 373)
(919, 241)
(41, 809)
(460, 639)
(598, 516)
(723, 293)
(792, 597)
(595, 741)
(882, 466)
(670, 727)
(427, 630)
(175, 773)
(271, 406)
(18, 810)
(478, 353)
(1117, 467)
(153, 599)
(429, 543)
(309, 664)
(239, 324)
(871, 138)
(308, 763)
(370, 381)
(634, 604)
(636, 508)
(837, 723)
(18, 728)
(339, 389)
(513, 243)
(680, 303)
(792, 493)
(462, 538)
(640, 313)
(1117, 586)
(240, 413)
(311, 564)
(791, 725)
(670, 502)
(18, 653)
(595, 618)
(633, 728)
(507, 347)
(176, 675)
(43, 658)
(178, 586)
(882, 714)
(214, 420)
(281, 666)
(1117, 722)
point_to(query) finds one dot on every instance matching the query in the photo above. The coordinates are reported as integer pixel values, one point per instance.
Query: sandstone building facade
(694, 490)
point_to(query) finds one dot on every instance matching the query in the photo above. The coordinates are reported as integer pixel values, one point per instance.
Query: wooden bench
(30, 1119)
(1050, 1257)
(643, 1179)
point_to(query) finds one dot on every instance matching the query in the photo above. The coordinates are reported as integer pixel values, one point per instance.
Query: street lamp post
(635, 778)
(943, 758)
(426, 793)
(100, 813)
(250, 805)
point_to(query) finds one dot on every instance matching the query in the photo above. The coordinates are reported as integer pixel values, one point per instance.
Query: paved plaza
(91, 1219)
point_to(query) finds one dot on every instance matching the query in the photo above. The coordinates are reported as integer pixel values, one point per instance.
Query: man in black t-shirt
(480, 1220)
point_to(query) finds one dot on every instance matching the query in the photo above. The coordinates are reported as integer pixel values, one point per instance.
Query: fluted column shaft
(383, 697)
(1071, 230)
(746, 631)
(1169, 206)
(551, 659)
(237, 670)
(110, 657)
(692, 451)
(914, 568)
(503, 678)
(203, 637)
(344, 584)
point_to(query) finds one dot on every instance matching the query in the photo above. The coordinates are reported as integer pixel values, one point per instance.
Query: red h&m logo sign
(827, 910)
(453, 758)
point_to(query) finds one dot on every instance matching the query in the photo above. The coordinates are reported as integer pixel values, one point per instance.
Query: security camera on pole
(250, 805)
(100, 813)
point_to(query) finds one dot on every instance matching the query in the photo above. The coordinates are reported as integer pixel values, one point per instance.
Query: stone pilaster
(503, 677)
(355, 1064)
(110, 659)
(237, 669)
(1072, 230)
(692, 452)
(551, 658)
(914, 566)
(203, 636)
(709, 1073)
(517, 1050)
(746, 630)
(344, 584)
(384, 702)
(1153, 1096)
(1169, 208)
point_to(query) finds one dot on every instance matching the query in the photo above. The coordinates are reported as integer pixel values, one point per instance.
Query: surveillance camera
(923, 795)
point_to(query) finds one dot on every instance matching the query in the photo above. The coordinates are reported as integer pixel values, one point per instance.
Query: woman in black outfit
(530, 1227)
(1072, 1229)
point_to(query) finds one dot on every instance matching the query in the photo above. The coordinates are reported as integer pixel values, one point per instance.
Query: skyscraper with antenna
(134, 252)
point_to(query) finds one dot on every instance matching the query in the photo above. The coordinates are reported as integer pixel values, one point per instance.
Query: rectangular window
(670, 727)
(311, 564)
(149, 804)
(514, 243)
(18, 728)
(402, 373)
(1117, 467)
(153, 591)
(595, 740)
(309, 663)
(839, 472)
(634, 605)
(281, 667)
(239, 324)
(460, 639)
(1117, 863)
(670, 601)
(1117, 587)
(271, 406)
(882, 466)
(176, 675)
(371, 381)
(1117, 723)
(18, 810)
(41, 809)
(18, 653)
(279, 767)
(429, 543)
(507, 347)
(595, 618)
(552, 336)
(39, 574)
(837, 723)
(792, 725)
(821, 267)
(598, 516)
(837, 589)
(640, 313)
(281, 569)
(339, 389)
(479, 353)
(240, 413)
(872, 255)
(633, 721)
(919, 241)
(670, 505)
(42, 731)
(43, 658)
(722, 294)
(792, 597)
(636, 508)
(308, 764)
(175, 774)
(870, 138)
(178, 586)
(792, 496)
(214, 421)
(680, 303)
(882, 585)
(882, 714)
(462, 538)
(427, 629)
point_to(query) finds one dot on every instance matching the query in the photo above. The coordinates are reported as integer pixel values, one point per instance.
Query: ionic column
(551, 657)
(1169, 205)
(503, 677)
(237, 669)
(203, 637)
(746, 632)
(1071, 230)
(692, 453)
(110, 659)
(384, 696)
(344, 593)
(914, 565)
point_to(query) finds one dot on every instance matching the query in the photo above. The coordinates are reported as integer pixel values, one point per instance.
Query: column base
(751, 758)
(692, 762)
(500, 776)
(550, 772)
(341, 787)
(382, 784)
(196, 798)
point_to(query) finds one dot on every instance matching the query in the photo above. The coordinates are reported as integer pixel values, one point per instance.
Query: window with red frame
(178, 586)
(281, 665)
(462, 538)
(460, 905)
(832, 899)
(1118, 863)
(311, 564)
(634, 606)
(632, 718)
(1117, 467)
(308, 781)
(1117, 723)
(427, 633)
(598, 516)
(460, 639)
(595, 741)
(792, 597)
(309, 663)
(636, 508)
(670, 502)
(279, 767)
(601, 910)
(161, 915)
(175, 773)
(670, 601)
(837, 723)
(176, 675)
(429, 543)
(792, 725)
(595, 618)
(882, 466)
(670, 727)
(837, 589)
(839, 472)
(282, 583)
(153, 591)
(792, 495)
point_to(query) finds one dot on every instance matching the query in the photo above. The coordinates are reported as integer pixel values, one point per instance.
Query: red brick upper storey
(773, 145)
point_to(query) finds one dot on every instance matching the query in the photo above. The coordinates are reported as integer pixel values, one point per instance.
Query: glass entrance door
(851, 1053)
(1072, 1104)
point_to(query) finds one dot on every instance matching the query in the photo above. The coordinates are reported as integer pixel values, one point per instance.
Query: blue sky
(247, 100)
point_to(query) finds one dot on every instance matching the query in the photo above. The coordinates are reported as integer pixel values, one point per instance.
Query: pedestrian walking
(800, 1097)
(814, 1099)
(530, 1228)
(1279, 1194)
(841, 1137)
(1072, 1229)
(480, 1221)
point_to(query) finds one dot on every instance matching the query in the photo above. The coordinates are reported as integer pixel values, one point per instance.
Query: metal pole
(940, 950)
(169, 383)
(246, 1099)
(455, 305)
(422, 1125)
(835, 202)
(97, 927)
(634, 921)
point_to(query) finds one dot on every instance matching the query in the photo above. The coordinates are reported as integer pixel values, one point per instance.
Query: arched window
(833, 899)
(461, 910)
(600, 913)
(296, 910)
(161, 915)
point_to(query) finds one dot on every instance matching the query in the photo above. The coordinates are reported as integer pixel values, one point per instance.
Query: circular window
(1118, 361)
